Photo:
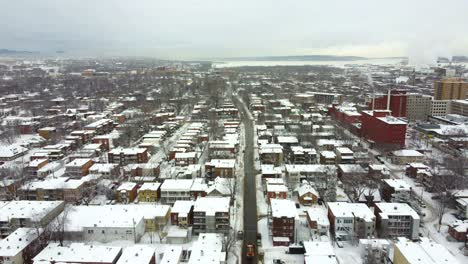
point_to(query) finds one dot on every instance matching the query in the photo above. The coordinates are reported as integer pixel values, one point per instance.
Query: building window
(90, 231)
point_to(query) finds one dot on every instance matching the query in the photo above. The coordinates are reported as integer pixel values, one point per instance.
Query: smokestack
(388, 100)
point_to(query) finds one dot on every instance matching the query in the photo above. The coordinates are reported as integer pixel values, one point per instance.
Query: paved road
(250, 191)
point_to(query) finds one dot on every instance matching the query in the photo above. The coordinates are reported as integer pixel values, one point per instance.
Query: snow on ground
(271, 252)
(349, 254)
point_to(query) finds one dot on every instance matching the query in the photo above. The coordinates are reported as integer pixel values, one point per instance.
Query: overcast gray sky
(219, 28)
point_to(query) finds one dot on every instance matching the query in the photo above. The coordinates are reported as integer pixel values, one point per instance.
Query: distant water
(337, 63)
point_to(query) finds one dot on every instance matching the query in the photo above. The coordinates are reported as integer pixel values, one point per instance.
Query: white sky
(221, 28)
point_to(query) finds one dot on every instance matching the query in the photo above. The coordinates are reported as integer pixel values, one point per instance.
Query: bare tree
(229, 240)
(58, 225)
(356, 183)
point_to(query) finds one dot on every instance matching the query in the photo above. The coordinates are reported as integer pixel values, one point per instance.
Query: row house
(173, 190)
(78, 168)
(319, 174)
(276, 191)
(182, 213)
(271, 154)
(34, 166)
(185, 158)
(125, 156)
(224, 168)
(149, 192)
(84, 136)
(221, 149)
(344, 155)
(100, 127)
(300, 155)
(127, 192)
(53, 189)
(211, 215)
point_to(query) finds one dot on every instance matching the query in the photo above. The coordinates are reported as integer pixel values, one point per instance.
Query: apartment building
(450, 89)
(173, 190)
(425, 251)
(395, 190)
(20, 246)
(396, 220)
(182, 213)
(53, 189)
(350, 220)
(78, 168)
(459, 107)
(440, 107)
(125, 156)
(224, 168)
(16, 214)
(149, 192)
(271, 154)
(283, 221)
(127, 192)
(101, 126)
(78, 253)
(418, 107)
(211, 215)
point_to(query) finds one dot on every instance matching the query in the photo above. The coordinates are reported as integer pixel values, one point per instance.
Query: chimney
(388, 100)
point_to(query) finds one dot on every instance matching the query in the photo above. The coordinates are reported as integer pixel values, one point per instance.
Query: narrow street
(250, 199)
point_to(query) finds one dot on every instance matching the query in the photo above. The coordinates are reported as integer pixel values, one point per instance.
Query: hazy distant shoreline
(336, 63)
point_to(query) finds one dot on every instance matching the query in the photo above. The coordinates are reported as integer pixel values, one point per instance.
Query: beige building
(450, 89)
(418, 107)
(459, 107)
(426, 251)
(440, 107)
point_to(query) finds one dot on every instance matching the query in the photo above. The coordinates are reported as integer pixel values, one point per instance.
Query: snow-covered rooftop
(212, 205)
(351, 210)
(27, 209)
(396, 209)
(398, 184)
(426, 251)
(18, 241)
(171, 185)
(136, 254)
(79, 253)
(283, 208)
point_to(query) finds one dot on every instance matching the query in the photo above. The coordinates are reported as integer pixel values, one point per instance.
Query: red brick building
(283, 215)
(382, 128)
(396, 104)
(459, 230)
